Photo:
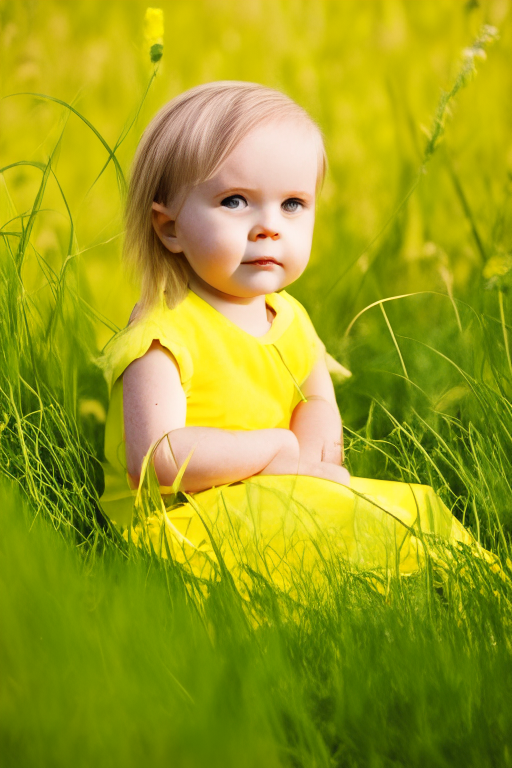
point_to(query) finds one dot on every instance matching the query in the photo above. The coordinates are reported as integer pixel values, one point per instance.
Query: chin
(266, 289)
(266, 282)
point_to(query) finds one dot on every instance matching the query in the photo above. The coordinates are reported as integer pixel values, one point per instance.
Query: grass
(110, 661)
(114, 657)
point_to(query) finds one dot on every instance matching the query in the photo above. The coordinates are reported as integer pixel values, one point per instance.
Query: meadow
(113, 657)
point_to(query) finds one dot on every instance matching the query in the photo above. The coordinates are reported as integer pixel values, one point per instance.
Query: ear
(164, 225)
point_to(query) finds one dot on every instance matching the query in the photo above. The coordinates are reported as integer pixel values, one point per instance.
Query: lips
(264, 260)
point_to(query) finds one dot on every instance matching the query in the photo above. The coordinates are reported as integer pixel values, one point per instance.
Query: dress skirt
(285, 527)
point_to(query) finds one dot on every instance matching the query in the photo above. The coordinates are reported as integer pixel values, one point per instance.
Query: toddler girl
(225, 365)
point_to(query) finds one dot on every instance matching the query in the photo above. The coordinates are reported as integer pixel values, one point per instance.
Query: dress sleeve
(134, 341)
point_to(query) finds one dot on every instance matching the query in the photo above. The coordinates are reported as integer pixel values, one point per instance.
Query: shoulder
(301, 314)
(300, 340)
(299, 310)
(156, 371)
(291, 300)
(158, 328)
(337, 371)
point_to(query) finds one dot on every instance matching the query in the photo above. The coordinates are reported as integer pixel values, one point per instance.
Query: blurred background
(369, 71)
(399, 213)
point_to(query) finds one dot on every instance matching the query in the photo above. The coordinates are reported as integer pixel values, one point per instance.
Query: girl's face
(260, 204)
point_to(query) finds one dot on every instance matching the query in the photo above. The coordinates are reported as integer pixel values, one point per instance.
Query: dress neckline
(276, 301)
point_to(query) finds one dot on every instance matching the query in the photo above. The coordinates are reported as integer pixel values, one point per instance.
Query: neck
(250, 313)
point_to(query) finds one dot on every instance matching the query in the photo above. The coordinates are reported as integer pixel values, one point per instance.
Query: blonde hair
(182, 146)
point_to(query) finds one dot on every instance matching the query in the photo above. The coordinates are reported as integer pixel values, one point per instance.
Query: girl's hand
(332, 452)
(326, 471)
(318, 428)
(288, 461)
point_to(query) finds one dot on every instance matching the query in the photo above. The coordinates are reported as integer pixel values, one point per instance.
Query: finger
(332, 453)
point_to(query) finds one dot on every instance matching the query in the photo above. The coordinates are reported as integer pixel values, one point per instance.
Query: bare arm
(318, 429)
(317, 422)
(155, 405)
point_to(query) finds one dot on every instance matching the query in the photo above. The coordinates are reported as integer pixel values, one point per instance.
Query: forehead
(280, 155)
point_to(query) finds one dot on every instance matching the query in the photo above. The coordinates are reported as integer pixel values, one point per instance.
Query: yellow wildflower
(154, 32)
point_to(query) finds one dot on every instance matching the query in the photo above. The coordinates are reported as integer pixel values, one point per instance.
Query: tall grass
(116, 657)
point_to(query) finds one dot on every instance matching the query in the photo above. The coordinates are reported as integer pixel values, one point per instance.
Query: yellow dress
(271, 525)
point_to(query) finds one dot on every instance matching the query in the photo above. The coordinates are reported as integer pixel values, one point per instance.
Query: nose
(262, 231)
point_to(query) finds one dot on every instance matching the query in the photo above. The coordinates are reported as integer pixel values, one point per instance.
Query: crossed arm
(155, 405)
(317, 422)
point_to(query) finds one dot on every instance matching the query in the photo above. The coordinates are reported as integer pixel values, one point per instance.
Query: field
(113, 657)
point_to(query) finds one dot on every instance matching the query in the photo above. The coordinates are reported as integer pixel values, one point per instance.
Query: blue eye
(294, 202)
(227, 202)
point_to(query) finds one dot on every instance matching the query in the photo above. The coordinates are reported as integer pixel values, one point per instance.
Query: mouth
(265, 261)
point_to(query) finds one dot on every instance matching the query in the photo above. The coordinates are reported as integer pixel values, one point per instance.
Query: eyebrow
(231, 190)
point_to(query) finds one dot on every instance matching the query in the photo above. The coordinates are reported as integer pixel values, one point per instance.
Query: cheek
(303, 234)
(193, 231)
(209, 235)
